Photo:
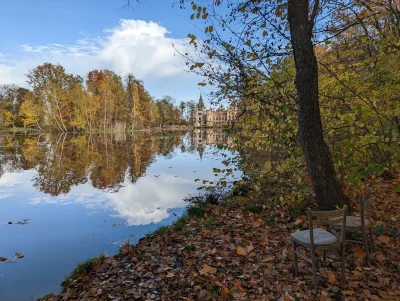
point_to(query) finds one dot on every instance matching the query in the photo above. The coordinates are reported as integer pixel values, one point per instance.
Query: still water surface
(72, 197)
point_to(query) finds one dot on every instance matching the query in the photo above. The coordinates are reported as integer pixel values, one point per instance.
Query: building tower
(201, 113)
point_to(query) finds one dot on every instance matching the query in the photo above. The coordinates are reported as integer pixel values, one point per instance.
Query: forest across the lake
(58, 101)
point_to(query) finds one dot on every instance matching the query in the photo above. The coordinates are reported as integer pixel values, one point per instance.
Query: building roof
(201, 103)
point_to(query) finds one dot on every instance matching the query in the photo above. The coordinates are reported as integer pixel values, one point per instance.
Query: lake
(65, 198)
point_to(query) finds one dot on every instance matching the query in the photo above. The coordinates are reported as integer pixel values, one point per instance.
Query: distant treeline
(58, 101)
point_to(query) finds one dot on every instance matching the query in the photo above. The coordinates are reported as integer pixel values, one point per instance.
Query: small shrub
(269, 220)
(140, 256)
(193, 211)
(180, 223)
(253, 208)
(83, 268)
(160, 230)
(211, 196)
(189, 248)
(295, 212)
(210, 221)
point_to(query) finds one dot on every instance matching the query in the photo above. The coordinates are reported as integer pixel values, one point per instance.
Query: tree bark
(320, 166)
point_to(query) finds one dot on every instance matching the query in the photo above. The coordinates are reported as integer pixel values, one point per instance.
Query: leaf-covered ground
(242, 251)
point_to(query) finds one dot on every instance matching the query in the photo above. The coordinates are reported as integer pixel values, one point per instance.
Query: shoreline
(176, 128)
(239, 249)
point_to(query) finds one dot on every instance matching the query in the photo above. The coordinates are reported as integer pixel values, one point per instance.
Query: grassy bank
(238, 248)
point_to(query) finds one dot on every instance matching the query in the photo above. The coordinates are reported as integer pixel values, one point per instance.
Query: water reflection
(66, 160)
(75, 168)
(74, 188)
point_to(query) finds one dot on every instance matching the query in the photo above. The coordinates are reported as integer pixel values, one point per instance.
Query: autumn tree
(31, 111)
(182, 109)
(60, 102)
(11, 99)
(253, 37)
(360, 88)
(190, 111)
(129, 94)
(7, 95)
(166, 110)
(106, 89)
(52, 85)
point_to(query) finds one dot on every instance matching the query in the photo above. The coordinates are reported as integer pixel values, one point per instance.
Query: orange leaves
(225, 291)
(269, 258)
(208, 269)
(331, 278)
(381, 258)
(240, 251)
(238, 285)
(359, 253)
(348, 293)
(385, 239)
(244, 251)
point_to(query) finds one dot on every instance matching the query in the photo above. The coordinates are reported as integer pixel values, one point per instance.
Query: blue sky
(96, 34)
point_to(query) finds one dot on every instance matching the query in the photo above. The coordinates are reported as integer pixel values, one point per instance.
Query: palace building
(210, 117)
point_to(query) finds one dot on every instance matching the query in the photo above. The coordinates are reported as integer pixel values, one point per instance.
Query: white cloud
(147, 201)
(7, 75)
(137, 204)
(143, 48)
(5, 195)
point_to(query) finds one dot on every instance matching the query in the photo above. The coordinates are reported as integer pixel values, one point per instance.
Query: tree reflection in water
(106, 161)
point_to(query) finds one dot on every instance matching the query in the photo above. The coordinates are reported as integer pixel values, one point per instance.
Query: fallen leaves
(19, 255)
(238, 285)
(383, 238)
(208, 269)
(240, 251)
(225, 291)
(381, 258)
(359, 253)
(331, 278)
(233, 255)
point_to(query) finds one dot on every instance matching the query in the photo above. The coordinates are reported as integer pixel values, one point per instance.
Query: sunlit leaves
(209, 29)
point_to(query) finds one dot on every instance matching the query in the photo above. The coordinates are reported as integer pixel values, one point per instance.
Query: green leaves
(397, 188)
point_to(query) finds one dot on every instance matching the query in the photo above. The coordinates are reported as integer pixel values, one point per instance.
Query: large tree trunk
(319, 162)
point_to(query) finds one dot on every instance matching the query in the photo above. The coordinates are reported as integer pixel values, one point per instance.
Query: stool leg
(343, 265)
(372, 240)
(365, 242)
(314, 269)
(296, 268)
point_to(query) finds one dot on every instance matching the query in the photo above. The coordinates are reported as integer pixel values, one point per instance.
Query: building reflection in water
(208, 137)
